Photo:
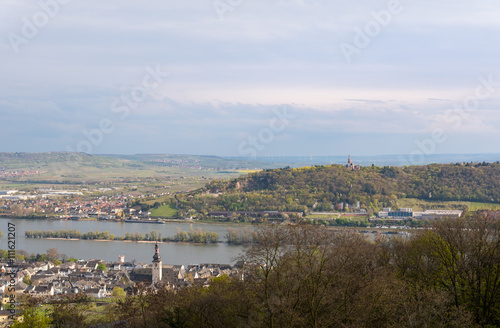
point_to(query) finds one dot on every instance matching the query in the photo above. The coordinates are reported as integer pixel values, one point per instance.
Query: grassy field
(422, 205)
(483, 206)
(165, 211)
(323, 216)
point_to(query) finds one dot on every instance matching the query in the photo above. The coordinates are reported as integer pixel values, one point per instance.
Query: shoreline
(186, 221)
(204, 223)
(134, 241)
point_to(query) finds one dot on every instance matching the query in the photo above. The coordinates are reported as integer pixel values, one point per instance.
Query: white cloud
(225, 76)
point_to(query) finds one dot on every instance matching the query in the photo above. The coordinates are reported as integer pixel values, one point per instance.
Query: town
(99, 279)
(69, 204)
(112, 205)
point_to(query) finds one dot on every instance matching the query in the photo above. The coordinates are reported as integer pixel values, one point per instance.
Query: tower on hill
(351, 166)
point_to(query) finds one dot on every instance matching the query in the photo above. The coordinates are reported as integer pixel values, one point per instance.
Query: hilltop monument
(351, 166)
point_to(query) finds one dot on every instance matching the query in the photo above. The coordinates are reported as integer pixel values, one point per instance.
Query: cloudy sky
(250, 77)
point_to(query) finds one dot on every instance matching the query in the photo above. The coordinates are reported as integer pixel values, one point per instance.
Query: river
(171, 253)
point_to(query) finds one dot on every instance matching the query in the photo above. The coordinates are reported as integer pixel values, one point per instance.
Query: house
(67, 266)
(69, 290)
(42, 266)
(5, 316)
(119, 265)
(92, 264)
(97, 292)
(20, 288)
(42, 290)
(64, 272)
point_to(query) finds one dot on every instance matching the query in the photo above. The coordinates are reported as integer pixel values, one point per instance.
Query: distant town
(70, 204)
(114, 204)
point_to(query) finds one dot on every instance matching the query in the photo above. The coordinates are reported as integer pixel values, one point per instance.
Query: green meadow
(165, 211)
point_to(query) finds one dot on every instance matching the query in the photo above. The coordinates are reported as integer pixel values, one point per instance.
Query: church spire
(156, 270)
(157, 256)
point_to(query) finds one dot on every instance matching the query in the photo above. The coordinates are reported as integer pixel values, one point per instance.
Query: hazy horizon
(307, 160)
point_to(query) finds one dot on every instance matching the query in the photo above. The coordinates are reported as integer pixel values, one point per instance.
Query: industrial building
(406, 213)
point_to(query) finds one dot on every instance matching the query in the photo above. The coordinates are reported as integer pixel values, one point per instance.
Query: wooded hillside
(374, 187)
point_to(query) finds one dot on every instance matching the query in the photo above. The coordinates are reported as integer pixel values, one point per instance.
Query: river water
(171, 253)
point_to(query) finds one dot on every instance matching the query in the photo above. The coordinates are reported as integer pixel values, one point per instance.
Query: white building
(405, 213)
(8, 192)
(438, 214)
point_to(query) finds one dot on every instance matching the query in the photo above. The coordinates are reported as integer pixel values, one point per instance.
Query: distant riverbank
(134, 241)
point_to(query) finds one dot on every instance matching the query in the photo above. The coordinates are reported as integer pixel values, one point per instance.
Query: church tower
(157, 266)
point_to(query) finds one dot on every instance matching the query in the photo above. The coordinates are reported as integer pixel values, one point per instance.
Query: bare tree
(460, 257)
(52, 254)
(310, 276)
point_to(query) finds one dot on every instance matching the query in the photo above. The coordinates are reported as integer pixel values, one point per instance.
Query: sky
(250, 78)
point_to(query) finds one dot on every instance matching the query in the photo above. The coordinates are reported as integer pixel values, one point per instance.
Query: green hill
(374, 187)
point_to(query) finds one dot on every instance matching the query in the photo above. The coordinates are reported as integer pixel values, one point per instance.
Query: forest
(306, 276)
(323, 188)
